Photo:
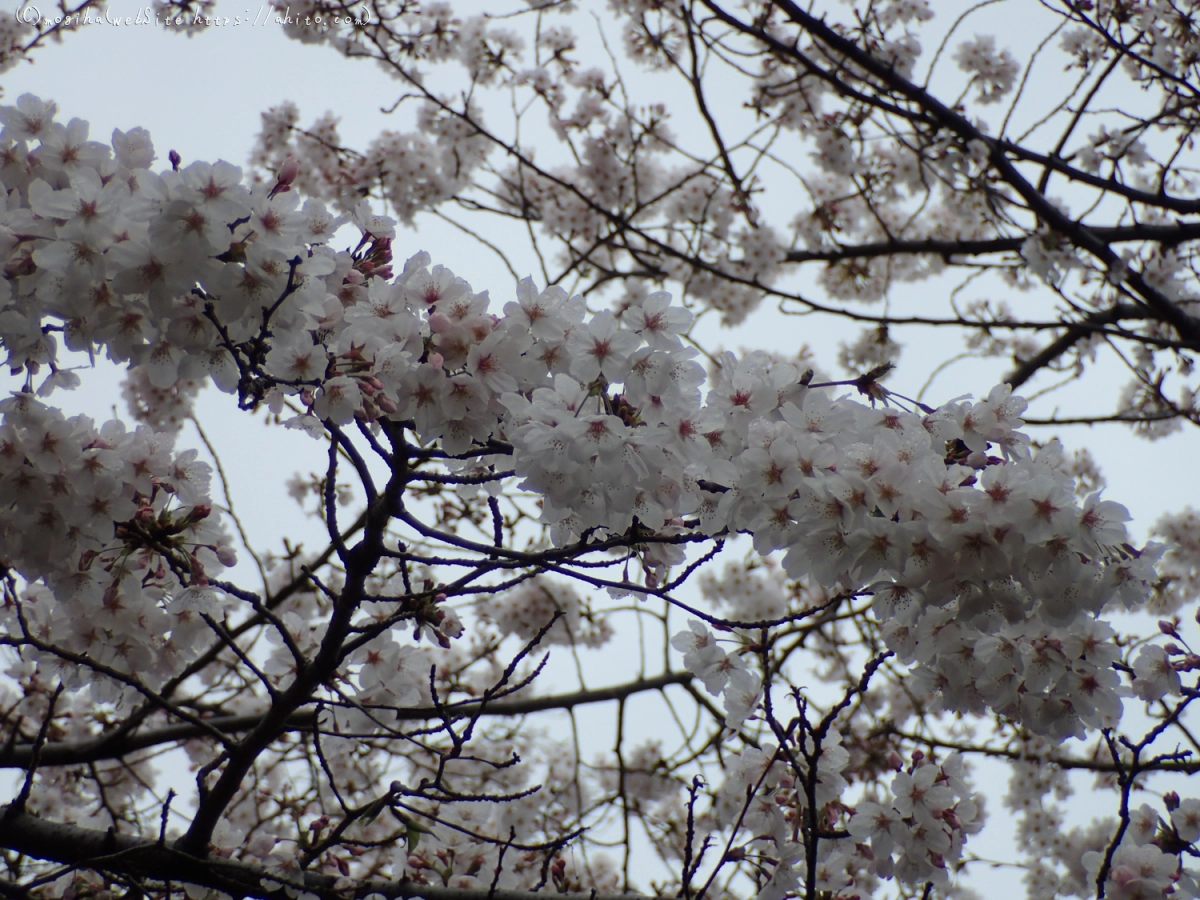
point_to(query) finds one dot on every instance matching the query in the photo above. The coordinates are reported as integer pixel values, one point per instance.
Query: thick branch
(132, 856)
(1068, 339)
(1165, 234)
(360, 561)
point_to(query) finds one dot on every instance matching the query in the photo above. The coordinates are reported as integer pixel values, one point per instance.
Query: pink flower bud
(1171, 801)
(386, 405)
(439, 322)
(1167, 627)
(287, 174)
(436, 360)
(175, 159)
(381, 249)
(227, 555)
(895, 760)
(289, 170)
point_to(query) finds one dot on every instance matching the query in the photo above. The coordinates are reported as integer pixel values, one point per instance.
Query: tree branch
(1166, 234)
(122, 854)
(68, 753)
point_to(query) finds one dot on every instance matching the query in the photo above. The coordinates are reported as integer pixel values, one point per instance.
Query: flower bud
(287, 174)
(1171, 801)
(289, 170)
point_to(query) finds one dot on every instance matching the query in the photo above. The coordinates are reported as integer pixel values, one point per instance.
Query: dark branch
(75, 752)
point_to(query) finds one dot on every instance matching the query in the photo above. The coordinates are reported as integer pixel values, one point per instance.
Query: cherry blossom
(537, 470)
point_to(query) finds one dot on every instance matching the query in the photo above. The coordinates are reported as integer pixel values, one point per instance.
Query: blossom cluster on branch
(910, 178)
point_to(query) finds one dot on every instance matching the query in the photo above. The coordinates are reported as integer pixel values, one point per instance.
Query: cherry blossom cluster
(620, 161)
(1053, 853)
(623, 198)
(755, 592)
(766, 797)
(929, 813)
(188, 272)
(722, 673)
(1146, 863)
(527, 609)
(116, 538)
